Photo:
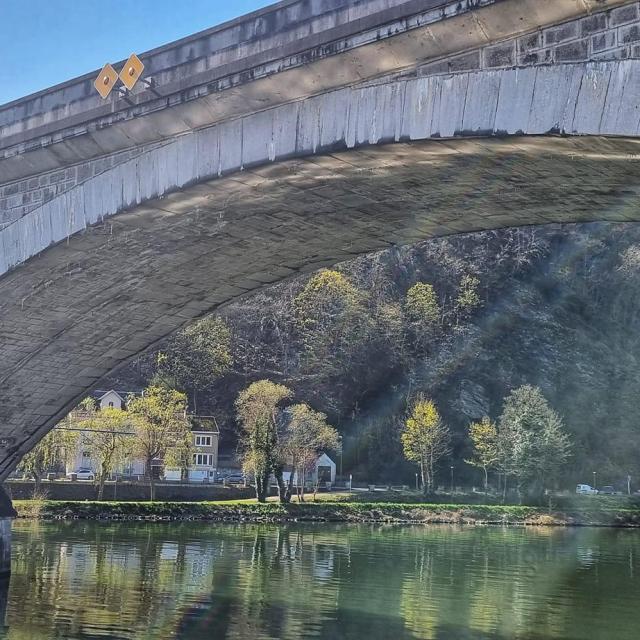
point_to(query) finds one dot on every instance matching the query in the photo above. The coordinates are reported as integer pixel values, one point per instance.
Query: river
(198, 580)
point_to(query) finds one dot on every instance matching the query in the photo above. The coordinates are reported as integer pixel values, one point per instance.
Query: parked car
(607, 491)
(83, 473)
(586, 490)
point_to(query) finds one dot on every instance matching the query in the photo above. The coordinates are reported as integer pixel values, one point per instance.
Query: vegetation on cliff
(464, 320)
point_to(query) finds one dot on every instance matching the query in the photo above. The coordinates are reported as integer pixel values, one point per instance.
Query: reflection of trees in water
(258, 581)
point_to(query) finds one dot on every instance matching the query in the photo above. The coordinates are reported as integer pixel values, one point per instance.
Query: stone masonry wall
(608, 35)
(23, 196)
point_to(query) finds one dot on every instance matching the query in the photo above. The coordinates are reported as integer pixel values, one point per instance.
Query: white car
(82, 474)
(586, 490)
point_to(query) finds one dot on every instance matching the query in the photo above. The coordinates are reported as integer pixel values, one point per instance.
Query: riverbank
(325, 511)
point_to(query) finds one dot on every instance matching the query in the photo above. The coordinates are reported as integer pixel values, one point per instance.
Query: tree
(468, 297)
(331, 319)
(307, 434)
(161, 428)
(425, 439)
(105, 435)
(55, 448)
(423, 313)
(198, 355)
(258, 409)
(532, 442)
(486, 451)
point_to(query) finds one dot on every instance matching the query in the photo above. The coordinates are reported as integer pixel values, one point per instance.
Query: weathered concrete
(594, 99)
(266, 187)
(291, 51)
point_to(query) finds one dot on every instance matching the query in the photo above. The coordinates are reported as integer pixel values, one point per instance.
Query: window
(203, 459)
(111, 404)
(203, 441)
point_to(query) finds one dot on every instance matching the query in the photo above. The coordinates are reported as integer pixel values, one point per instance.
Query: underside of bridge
(84, 307)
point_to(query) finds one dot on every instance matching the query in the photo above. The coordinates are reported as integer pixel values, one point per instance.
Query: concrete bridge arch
(121, 259)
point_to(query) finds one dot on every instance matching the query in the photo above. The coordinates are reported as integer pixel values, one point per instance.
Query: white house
(111, 400)
(323, 471)
(205, 443)
(205, 456)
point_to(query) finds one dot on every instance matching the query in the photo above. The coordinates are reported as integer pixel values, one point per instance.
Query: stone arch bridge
(295, 137)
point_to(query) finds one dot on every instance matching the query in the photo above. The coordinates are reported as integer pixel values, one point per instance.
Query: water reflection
(84, 580)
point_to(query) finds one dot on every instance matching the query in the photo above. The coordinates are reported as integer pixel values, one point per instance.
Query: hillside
(554, 306)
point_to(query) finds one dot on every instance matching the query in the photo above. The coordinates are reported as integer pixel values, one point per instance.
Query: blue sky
(44, 42)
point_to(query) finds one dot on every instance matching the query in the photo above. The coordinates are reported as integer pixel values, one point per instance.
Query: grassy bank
(325, 511)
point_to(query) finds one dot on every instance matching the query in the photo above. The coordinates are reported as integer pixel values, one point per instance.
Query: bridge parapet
(320, 46)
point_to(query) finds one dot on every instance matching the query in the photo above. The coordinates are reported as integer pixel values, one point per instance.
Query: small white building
(111, 400)
(322, 472)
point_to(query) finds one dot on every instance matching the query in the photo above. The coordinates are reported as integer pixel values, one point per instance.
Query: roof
(204, 424)
(106, 393)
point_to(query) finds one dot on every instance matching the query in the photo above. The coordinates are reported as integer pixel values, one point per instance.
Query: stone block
(529, 42)
(573, 51)
(466, 62)
(593, 24)
(619, 53)
(561, 33)
(624, 15)
(83, 172)
(535, 57)
(603, 41)
(434, 68)
(629, 34)
(501, 55)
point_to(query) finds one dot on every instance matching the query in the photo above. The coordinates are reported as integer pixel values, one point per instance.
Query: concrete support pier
(7, 514)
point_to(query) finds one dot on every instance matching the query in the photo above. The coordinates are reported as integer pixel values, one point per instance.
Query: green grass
(325, 510)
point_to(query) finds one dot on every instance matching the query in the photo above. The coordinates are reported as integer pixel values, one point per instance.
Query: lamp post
(340, 441)
(451, 478)
(417, 482)
(594, 480)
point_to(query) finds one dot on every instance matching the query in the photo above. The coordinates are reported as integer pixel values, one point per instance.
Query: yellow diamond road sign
(105, 80)
(131, 71)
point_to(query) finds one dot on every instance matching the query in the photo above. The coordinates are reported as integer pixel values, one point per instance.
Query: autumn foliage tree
(331, 319)
(106, 434)
(258, 411)
(306, 435)
(161, 428)
(56, 448)
(425, 439)
(423, 313)
(486, 451)
(468, 297)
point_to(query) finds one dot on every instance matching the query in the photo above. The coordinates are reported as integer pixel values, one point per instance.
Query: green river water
(197, 580)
